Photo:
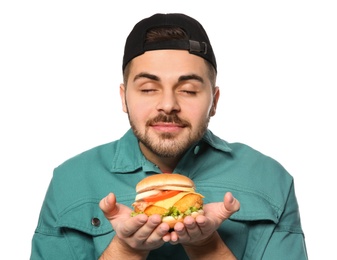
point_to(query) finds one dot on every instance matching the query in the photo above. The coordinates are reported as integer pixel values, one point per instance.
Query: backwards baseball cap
(197, 42)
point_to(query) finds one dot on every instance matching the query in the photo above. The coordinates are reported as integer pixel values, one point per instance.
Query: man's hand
(135, 236)
(199, 236)
(198, 229)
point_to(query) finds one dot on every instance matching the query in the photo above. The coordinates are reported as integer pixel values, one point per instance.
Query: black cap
(198, 42)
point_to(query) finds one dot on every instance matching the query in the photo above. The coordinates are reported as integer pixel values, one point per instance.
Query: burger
(171, 195)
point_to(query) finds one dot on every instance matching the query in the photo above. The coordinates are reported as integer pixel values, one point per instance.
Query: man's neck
(165, 164)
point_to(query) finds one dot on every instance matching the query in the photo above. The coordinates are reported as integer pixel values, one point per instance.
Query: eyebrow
(146, 75)
(180, 79)
(191, 77)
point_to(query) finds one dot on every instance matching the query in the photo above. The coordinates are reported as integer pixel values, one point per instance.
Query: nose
(168, 102)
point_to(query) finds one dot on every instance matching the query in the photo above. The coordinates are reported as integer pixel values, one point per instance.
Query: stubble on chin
(169, 145)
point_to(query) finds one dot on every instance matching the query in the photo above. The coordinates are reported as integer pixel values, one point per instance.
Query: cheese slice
(167, 203)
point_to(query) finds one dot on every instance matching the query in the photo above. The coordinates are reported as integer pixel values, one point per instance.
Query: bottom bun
(171, 221)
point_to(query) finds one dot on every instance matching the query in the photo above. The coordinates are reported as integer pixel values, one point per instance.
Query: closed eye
(189, 92)
(148, 90)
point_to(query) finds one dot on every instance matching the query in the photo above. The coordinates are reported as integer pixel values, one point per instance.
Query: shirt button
(196, 149)
(95, 222)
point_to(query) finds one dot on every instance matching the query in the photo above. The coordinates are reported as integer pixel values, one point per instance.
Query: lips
(167, 127)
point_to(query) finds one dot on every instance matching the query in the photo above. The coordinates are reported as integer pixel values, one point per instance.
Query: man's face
(169, 101)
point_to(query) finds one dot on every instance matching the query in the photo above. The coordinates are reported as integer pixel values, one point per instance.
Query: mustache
(168, 119)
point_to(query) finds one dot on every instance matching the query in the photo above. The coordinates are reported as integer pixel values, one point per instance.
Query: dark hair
(164, 34)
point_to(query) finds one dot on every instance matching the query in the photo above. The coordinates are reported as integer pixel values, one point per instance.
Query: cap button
(95, 222)
(196, 149)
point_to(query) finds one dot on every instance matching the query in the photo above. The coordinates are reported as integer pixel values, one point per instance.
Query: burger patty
(153, 209)
(189, 200)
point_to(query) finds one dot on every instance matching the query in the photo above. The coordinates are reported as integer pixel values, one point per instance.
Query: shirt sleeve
(287, 240)
(49, 242)
(50, 247)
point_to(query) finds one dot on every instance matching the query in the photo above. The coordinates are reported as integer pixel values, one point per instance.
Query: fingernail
(231, 198)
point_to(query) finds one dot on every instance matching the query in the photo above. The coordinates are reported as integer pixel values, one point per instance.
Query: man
(169, 94)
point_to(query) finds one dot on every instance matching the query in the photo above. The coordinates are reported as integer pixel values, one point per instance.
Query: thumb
(231, 205)
(108, 206)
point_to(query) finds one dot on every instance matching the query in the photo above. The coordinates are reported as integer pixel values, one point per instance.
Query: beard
(168, 145)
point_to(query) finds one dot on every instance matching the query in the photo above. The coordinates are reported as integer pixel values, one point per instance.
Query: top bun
(164, 179)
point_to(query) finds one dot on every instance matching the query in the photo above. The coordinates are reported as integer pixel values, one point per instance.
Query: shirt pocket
(254, 205)
(86, 229)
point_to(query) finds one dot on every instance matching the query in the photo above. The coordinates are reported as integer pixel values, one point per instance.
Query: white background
(60, 69)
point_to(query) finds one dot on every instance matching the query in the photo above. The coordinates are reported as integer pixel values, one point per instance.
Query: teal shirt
(267, 226)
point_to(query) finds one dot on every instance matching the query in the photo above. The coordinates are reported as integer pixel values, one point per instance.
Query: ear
(122, 93)
(216, 96)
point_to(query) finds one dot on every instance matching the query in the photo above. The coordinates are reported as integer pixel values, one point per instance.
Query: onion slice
(145, 194)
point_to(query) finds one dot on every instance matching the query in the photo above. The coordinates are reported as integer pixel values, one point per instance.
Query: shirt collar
(216, 142)
(129, 158)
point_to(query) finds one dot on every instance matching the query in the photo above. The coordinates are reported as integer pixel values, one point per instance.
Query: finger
(132, 225)
(231, 205)
(180, 232)
(159, 235)
(174, 238)
(192, 229)
(205, 225)
(108, 206)
(167, 237)
(190, 223)
(165, 232)
(146, 230)
(151, 233)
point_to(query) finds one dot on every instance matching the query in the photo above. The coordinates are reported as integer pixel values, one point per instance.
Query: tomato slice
(165, 194)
